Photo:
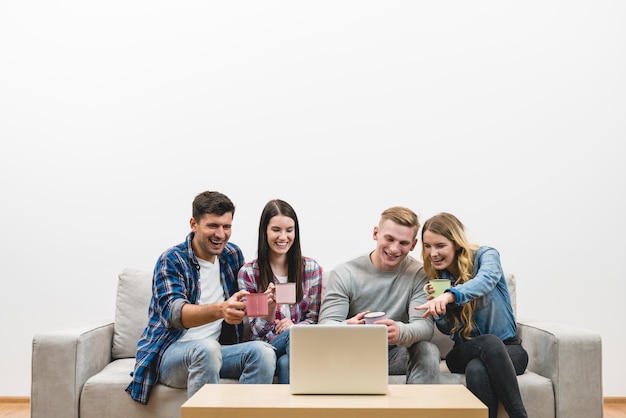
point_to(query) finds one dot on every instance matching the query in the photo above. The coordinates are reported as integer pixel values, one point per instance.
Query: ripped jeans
(192, 364)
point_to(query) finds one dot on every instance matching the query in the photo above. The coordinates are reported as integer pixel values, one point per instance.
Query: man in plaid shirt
(194, 332)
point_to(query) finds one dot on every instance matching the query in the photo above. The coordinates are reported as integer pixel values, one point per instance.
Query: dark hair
(295, 264)
(211, 202)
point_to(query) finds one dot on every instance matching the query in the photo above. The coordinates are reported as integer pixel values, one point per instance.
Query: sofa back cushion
(134, 289)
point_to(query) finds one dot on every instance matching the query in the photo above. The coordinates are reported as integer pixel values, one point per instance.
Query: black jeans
(491, 368)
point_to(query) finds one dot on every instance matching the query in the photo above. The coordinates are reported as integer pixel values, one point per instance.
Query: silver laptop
(338, 359)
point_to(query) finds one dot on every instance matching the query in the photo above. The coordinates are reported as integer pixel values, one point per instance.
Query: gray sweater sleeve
(335, 301)
(417, 328)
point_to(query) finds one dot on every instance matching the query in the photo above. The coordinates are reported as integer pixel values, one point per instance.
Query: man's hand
(358, 318)
(393, 330)
(233, 309)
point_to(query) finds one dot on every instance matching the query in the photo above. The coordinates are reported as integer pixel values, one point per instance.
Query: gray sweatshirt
(357, 285)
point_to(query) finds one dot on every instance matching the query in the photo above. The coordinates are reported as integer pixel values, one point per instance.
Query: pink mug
(286, 293)
(256, 304)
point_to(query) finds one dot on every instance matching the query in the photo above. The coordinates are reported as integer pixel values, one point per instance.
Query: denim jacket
(493, 313)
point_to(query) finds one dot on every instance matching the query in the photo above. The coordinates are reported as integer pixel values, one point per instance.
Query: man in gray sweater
(388, 280)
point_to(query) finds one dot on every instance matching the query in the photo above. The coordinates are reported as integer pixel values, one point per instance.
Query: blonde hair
(450, 227)
(402, 216)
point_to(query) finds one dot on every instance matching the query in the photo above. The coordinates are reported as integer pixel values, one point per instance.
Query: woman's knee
(491, 345)
(489, 339)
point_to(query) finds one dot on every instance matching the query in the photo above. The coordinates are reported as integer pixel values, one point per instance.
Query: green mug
(439, 285)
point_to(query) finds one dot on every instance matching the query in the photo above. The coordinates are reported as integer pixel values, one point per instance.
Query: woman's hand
(281, 325)
(437, 306)
(271, 302)
(271, 295)
(429, 291)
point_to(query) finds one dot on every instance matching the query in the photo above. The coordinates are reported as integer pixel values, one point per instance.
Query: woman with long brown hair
(280, 260)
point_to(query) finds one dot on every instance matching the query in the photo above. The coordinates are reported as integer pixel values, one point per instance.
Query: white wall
(113, 115)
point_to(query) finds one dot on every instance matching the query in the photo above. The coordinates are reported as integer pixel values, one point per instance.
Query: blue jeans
(281, 345)
(420, 362)
(192, 364)
(491, 368)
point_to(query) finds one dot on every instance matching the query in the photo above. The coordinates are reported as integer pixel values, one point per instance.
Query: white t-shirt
(211, 291)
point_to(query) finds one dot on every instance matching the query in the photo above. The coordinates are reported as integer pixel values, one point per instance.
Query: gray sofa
(82, 370)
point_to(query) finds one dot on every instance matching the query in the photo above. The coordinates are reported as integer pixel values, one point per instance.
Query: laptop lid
(338, 359)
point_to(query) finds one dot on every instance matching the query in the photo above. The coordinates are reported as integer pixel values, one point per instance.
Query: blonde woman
(476, 312)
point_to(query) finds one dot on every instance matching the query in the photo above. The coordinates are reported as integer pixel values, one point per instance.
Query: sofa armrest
(572, 359)
(62, 361)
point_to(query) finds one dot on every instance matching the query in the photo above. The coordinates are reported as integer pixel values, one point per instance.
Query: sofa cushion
(134, 289)
(104, 396)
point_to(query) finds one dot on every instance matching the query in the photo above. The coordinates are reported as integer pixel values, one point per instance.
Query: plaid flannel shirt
(176, 276)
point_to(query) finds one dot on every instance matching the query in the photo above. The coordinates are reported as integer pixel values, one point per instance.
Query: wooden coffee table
(275, 401)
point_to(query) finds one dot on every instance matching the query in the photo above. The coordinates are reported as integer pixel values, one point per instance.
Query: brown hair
(211, 202)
